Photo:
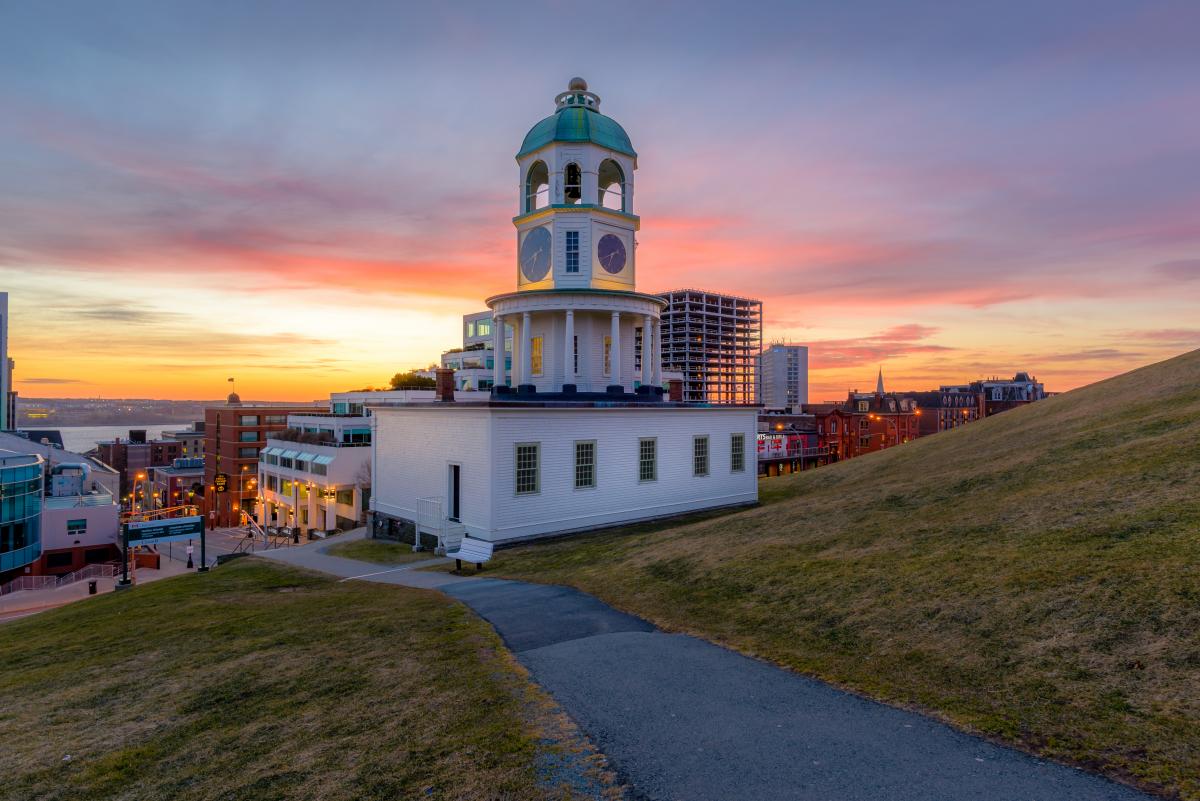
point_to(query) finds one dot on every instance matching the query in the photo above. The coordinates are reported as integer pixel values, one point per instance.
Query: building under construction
(714, 340)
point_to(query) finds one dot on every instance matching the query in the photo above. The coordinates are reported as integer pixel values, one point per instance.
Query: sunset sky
(308, 196)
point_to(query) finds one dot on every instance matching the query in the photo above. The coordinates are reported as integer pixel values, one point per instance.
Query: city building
(715, 341)
(8, 396)
(78, 521)
(580, 435)
(783, 376)
(45, 436)
(1001, 394)
(233, 436)
(865, 422)
(944, 409)
(474, 363)
(315, 474)
(190, 439)
(20, 513)
(134, 456)
(788, 442)
(176, 485)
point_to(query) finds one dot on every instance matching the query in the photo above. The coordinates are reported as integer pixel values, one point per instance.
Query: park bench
(471, 550)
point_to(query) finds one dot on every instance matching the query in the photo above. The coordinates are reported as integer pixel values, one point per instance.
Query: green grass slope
(262, 682)
(1034, 576)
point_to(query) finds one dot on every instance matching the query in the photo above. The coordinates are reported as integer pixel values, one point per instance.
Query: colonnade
(650, 374)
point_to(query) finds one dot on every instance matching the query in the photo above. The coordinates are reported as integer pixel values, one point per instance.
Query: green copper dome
(577, 120)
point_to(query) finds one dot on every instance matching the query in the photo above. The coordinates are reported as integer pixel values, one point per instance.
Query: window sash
(528, 468)
(647, 459)
(585, 464)
(572, 251)
(737, 453)
(700, 456)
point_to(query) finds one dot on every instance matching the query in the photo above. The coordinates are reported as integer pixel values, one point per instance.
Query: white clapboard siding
(414, 447)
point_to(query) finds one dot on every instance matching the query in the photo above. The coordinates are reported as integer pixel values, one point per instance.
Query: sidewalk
(681, 718)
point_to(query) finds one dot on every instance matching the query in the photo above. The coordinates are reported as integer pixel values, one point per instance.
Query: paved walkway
(681, 718)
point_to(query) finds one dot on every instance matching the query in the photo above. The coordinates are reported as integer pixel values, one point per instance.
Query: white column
(647, 350)
(615, 350)
(569, 349)
(658, 376)
(497, 351)
(526, 350)
(312, 507)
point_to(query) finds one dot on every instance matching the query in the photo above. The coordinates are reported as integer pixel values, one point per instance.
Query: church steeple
(879, 383)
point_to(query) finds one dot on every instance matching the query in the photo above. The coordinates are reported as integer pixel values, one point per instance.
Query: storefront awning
(323, 459)
(290, 454)
(306, 457)
(272, 451)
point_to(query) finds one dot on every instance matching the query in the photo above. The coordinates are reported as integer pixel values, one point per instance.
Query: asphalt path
(683, 719)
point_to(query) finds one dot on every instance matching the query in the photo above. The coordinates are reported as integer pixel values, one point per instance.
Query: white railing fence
(24, 583)
(430, 520)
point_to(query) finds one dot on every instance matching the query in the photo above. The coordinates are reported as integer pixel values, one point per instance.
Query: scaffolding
(714, 340)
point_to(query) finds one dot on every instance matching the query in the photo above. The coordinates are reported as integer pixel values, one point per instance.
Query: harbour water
(84, 438)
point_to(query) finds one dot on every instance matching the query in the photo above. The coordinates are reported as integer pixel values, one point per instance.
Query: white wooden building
(580, 435)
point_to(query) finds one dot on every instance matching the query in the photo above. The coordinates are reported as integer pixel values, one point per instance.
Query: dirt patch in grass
(226, 686)
(379, 552)
(1032, 576)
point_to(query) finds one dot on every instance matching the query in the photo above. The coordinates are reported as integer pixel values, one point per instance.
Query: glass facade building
(21, 493)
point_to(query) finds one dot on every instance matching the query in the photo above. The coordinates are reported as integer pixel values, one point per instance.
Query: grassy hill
(262, 682)
(1034, 576)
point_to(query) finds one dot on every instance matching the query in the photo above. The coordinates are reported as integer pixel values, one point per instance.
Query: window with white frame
(700, 456)
(647, 459)
(572, 251)
(737, 453)
(528, 468)
(585, 464)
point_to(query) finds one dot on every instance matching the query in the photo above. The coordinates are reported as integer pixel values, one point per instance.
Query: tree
(411, 379)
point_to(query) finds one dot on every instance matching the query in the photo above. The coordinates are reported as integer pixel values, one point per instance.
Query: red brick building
(865, 422)
(233, 436)
(944, 409)
(136, 455)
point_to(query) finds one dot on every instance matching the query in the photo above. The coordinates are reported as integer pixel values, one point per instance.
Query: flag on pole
(230, 380)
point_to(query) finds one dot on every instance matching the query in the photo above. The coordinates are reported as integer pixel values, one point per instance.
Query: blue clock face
(535, 254)
(611, 253)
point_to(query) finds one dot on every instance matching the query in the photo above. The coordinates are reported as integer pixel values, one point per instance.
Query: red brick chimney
(444, 378)
(675, 390)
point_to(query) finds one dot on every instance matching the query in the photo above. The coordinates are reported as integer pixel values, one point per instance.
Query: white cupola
(575, 223)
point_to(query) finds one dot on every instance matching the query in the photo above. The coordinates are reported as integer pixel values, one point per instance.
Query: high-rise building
(8, 398)
(714, 340)
(783, 376)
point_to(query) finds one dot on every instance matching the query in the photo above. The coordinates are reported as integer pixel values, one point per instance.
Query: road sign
(221, 482)
(152, 531)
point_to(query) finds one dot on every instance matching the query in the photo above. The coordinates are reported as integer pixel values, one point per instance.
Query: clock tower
(575, 222)
(581, 330)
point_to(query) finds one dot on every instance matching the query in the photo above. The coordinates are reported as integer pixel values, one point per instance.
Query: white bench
(471, 550)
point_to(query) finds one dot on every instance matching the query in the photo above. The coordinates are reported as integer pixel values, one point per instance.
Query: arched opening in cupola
(537, 187)
(572, 184)
(612, 185)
